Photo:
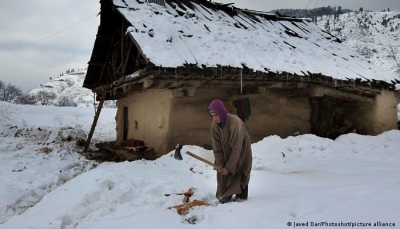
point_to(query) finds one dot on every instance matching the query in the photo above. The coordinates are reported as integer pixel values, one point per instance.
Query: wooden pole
(103, 97)
(124, 61)
(96, 118)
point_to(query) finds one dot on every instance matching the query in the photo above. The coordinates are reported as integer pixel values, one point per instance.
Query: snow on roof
(175, 35)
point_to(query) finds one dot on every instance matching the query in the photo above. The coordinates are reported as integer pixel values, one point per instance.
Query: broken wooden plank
(185, 208)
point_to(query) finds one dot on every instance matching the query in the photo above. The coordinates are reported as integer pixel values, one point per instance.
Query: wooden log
(189, 192)
(185, 208)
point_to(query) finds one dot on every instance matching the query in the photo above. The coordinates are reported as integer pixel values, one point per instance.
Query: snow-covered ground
(352, 181)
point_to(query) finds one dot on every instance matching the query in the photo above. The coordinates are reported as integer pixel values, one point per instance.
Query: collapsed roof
(200, 33)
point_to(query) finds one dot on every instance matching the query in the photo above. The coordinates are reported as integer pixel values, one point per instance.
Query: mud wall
(377, 117)
(148, 118)
(189, 122)
(162, 120)
(271, 114)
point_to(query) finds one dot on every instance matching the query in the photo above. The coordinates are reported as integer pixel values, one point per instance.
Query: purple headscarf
(217, 106)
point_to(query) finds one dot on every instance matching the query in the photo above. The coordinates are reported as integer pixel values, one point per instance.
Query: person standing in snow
(232, 151)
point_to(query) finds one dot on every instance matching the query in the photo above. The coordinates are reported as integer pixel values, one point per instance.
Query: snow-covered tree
(45, 98)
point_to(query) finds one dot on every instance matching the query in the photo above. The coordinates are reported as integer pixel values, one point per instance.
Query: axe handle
(202, 159)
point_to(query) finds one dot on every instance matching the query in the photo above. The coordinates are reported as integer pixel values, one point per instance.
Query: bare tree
(9, 92)
(64, 101)
(2, 85)
(45, 97)
(394, 55)
(28, 99)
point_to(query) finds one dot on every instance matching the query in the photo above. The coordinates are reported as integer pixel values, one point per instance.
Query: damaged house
(165, 61)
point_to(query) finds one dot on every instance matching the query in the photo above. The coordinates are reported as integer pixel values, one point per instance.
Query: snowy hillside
(369, 33)
(68, 91)
(45, 183)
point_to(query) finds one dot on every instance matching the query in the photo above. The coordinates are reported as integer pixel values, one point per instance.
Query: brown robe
(232, 150)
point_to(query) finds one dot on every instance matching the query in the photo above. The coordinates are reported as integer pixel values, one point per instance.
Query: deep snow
(354, 179)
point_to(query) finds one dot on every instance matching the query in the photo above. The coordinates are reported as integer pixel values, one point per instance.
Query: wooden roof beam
(318, 91)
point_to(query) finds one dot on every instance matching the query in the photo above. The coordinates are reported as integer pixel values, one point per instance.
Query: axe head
(178, 155)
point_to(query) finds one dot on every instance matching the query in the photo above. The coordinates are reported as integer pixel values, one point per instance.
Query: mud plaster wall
(274, 114)
(164, 121)
(148, 115)
(271, 114)
(397, 95)
(189, 122)
(377, 117)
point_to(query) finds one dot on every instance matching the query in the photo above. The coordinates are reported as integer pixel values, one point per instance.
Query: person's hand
(223, 171)
(218, 167)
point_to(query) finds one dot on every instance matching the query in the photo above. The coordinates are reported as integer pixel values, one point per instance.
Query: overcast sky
(45, 37)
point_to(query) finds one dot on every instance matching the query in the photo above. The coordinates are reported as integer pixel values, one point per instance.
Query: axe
(178, 156)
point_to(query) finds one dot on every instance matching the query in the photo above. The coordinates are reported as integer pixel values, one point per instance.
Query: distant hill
(375, 35)
(65, 90)
(372, 34)
(313, 13)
